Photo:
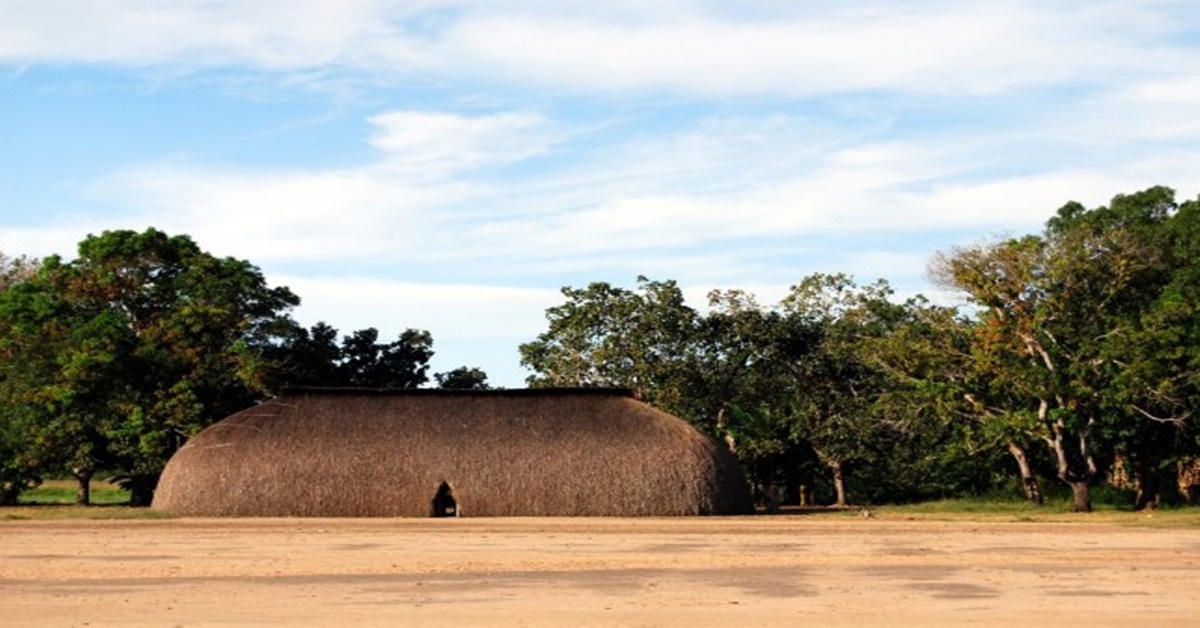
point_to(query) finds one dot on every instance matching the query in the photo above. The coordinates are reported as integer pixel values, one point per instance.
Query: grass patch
(57, 492)
(55, 500)
(1019, 511)
(1004, 509)
(975, 506)
(50, 512)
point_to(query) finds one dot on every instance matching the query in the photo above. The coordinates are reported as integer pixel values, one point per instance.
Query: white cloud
(392, 209)
(57, 239)
(640, 202)
(789, 49)
(339, 214)
(271, 34)
(1183, 90)
(434, 143)
(801, 54)
(456, 311)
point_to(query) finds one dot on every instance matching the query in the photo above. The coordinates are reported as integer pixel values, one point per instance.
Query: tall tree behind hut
(718, 370)
(315, 357)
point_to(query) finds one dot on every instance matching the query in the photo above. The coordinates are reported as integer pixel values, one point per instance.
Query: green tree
(315, 357)
(1147, 354)
(605, 335)
(836, 387)
(60, 363)
(144, 339)
(921, 352)
(737, 384)
(308, 357)
(1057, 313)
(403, 363)
(463, 378)
(999, 277)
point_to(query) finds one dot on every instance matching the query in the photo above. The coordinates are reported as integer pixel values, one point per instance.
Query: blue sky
(449, 165)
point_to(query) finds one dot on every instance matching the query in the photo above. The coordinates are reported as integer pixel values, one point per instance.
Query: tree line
(1075, 358)
(110, 361)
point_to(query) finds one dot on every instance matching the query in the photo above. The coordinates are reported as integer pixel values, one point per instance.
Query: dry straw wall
(503, 453)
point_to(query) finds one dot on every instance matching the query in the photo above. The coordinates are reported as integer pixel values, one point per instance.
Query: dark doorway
(444, 504)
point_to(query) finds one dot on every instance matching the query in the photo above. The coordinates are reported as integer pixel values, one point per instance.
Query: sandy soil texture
(752, 571)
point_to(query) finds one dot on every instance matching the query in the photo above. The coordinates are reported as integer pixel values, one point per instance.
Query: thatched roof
(500, 453)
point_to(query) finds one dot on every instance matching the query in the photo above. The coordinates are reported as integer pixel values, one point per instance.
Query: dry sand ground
(780, 570)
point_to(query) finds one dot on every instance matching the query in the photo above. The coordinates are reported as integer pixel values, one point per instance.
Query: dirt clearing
(781, 570)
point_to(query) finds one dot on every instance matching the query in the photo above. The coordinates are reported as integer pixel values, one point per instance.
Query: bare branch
(1180, 420)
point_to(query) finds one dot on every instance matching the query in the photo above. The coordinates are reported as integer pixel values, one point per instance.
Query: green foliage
(1084, 339)
(821, 378)
(119, 355)
(463, 378)
(1079, 353)
(313, 357)
(19, 454)
(609, 336)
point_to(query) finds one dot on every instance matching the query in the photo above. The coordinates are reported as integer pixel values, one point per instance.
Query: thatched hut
(436, 452)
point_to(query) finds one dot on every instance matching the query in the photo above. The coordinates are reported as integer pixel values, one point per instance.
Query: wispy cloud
(795, 49)
(433, 144)
(718, 181)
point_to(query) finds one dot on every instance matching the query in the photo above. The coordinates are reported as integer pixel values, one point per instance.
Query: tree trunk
(1029, 481)
(1147, 487)
(83, 492)
(1078, 479)
(141, 496)
(1082, 492)
(10, 493)
(141, 486)
(839, 482)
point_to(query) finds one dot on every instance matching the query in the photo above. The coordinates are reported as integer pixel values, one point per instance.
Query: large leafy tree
(605, 335)
(737, 372)
(1073, 330)
(707, 369)
(837, 384)
(777, 384)
(1000, 277)
(133, 346)
(1147, 355)
(919, 352)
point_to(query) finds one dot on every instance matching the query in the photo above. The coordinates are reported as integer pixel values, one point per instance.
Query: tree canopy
(1073, 358)
(117, 356)
(1077, 355)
